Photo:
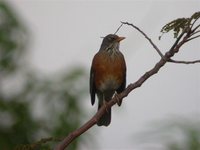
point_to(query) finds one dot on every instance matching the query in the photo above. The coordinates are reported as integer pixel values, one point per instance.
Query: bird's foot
(119, 101)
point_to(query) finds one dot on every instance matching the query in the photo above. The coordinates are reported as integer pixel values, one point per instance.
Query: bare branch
(118, 28)
(192, 38)
(177, 40)
(155, 47)
(184, 62)
(81, 130)
(37, 144)
(196, 28)
(192, 25)
(195, 33)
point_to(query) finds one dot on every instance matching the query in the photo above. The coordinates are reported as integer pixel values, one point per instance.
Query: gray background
(67, 33)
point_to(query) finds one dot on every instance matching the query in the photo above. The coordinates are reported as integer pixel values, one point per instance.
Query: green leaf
(180, 25)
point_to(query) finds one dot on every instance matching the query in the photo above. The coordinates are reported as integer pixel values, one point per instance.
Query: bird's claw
(119, 102)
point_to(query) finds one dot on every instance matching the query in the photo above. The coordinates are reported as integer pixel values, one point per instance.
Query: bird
(107, 75)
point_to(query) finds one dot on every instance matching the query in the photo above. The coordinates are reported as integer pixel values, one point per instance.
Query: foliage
(174, 134)
(33, 106)
(180, 24)
(12, 39)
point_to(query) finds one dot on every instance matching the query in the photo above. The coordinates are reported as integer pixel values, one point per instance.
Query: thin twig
(178, 39)
(192, 25)
(196, 28)
(195, 33)
(184, 62)
(192, 38)
(118, 28)
(155, 47)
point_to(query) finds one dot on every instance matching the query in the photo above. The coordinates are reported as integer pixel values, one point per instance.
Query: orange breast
(109, 71)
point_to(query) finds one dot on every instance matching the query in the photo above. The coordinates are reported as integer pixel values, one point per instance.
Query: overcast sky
(66, 33)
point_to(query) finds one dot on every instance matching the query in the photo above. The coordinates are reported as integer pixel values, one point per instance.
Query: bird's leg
(105, 104)
(118, 99)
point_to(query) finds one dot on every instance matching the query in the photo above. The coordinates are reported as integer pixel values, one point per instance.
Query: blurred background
(46, 49)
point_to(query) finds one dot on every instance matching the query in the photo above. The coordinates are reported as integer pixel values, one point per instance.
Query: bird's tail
(106, 118)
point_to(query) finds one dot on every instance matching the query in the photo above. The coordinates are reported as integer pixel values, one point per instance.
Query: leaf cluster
(12, 39)
(180, 25)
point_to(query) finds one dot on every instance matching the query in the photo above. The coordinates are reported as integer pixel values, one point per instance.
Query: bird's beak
(120, 39)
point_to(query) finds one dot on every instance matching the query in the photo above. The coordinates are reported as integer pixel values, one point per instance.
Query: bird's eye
(111, 38)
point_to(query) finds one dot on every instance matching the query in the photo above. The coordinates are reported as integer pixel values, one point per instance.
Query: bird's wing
(92, 86)
(123, 85)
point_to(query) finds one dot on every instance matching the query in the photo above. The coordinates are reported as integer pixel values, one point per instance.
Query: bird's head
(111, 43)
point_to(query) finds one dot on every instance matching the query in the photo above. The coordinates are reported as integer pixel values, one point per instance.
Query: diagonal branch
(192, 38)
(184, 62)
(164, 59)
(193, 33)
(155, 47)
(193, 23)
(196, 28)
(118, 28)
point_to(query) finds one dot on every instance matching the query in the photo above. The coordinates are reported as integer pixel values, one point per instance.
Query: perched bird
(107, 74)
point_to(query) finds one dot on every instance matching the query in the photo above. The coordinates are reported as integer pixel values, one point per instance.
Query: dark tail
(105, 119)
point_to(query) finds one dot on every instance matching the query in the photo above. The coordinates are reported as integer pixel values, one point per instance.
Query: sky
(67, 33)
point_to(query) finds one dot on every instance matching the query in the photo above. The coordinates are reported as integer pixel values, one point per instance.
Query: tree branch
(192, 25)
(192, 38)
(196, 28)
(118, 28)
(184, 62)
(155, 47)
(164, 59)
(193, 33)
